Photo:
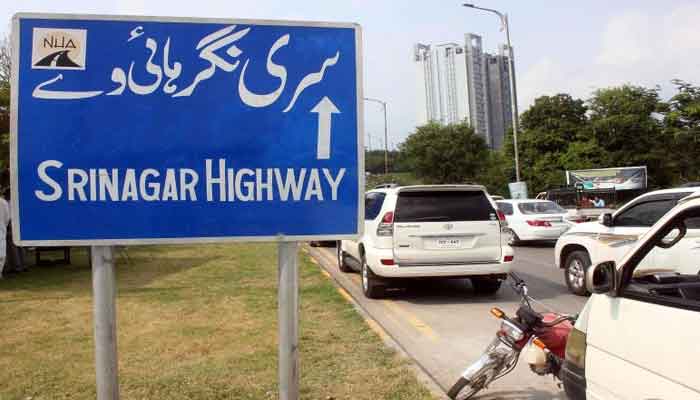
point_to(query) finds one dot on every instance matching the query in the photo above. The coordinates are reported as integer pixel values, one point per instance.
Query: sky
(560, 46)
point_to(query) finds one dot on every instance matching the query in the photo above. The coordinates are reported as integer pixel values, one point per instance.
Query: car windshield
(541, 207)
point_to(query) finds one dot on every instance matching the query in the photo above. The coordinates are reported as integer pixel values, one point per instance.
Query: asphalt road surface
(444, 326)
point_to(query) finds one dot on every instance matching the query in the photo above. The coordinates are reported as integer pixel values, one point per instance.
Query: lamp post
(386, 135)
(511, 72)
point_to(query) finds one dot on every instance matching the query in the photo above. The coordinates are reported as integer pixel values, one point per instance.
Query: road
(444, 326)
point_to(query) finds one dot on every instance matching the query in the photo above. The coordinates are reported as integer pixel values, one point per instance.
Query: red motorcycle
(541, 335)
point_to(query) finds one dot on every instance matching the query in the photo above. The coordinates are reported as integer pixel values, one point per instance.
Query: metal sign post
(288, 315)
(104, 291)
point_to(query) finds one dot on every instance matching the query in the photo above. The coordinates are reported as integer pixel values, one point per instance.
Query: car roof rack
(386, 186)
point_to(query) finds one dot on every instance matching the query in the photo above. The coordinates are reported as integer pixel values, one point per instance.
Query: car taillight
(387, 261)
(501, 216)
(388, 218)
(508, 258)
(538, 222)
(386, 226)
(501, 219)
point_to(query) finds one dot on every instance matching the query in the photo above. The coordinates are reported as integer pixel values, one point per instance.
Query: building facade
(458, 83)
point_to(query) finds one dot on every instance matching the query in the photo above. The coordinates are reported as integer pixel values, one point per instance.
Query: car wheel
(370, 286)
(342, 264)
(513, 239)
(577, 264)
(486, 285)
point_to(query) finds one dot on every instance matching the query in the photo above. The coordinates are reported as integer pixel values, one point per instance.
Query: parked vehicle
(636, 337)
(533, 220)
(428, 231)
(542, 336)
(612, 236)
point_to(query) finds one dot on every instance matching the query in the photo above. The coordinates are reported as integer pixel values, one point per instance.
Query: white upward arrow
(324, 109)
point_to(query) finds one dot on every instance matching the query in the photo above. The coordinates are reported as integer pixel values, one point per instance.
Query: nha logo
(58, 48)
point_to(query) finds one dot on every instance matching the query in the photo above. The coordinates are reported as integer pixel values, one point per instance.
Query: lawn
(194, 322)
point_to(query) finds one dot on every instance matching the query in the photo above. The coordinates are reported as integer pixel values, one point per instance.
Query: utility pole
(386, 135)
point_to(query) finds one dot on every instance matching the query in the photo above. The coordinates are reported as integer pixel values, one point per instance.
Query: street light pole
(386, 135)
(511, 73)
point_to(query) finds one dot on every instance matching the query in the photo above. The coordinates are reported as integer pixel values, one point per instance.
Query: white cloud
(635, 47)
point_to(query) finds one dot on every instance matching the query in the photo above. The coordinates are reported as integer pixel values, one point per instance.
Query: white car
(637, 336)
(611, 237)
(428, 231)
(533, 220)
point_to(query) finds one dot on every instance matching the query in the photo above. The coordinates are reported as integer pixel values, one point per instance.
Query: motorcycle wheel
(465, 388)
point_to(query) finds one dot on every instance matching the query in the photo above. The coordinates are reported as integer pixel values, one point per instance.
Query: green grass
(194, 322)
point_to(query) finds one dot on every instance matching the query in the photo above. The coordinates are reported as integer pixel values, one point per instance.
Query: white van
(429, 231)
(637, 337)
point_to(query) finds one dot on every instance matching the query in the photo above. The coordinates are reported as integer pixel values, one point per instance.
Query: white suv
(429, 231)
(612, 236)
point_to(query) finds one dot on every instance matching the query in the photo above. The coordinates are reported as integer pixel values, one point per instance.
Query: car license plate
(449, 243)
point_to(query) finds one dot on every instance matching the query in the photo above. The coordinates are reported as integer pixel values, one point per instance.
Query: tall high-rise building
(459, 83)
(500, 106)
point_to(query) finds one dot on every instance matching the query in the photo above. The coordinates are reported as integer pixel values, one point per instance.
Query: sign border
(14, 109)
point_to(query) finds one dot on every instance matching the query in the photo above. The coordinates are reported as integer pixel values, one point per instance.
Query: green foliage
(552, 130)
(4, 103)
(682, 129)
(625, 122)
(446, 153)
(617, 127)
(374, 162)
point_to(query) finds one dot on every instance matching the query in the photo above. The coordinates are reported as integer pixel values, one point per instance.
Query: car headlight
(511, 331)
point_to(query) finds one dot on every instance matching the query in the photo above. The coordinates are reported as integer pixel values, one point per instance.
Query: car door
(642, 344)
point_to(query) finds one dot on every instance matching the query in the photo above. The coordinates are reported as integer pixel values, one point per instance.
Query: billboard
(132, 130)
(623, 178)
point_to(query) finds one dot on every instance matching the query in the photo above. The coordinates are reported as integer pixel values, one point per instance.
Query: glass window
(506, 208)
(373, 204)
(443, 206)
(644, 214)
(541, 207)
(667, 269)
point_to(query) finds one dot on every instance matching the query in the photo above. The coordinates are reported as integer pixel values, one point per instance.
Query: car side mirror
(606, 219)
(600, 278)
(672, 237)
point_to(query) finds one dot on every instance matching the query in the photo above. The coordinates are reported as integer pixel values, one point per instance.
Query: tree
(4, 103)
(446, 153)
(549, 128)
(626, 122)
(682, 126)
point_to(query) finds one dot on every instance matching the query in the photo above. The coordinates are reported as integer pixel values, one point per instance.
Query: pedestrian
(598, 202)
(586, 202)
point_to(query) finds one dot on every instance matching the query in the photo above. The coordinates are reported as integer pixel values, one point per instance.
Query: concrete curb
(421, 373)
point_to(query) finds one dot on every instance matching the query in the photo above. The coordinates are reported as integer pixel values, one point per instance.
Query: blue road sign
(150, 130)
